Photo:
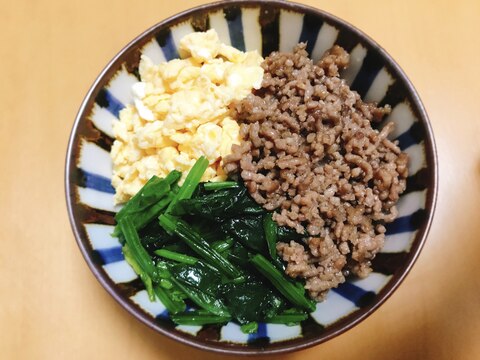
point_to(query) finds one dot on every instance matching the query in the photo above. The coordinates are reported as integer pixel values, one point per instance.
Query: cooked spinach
(199, 318)
(199, 276)
(247, 230)
(211, 251)
(286, 234)
(221, 204)
(239, 255)
(154, 237)
(251, 301)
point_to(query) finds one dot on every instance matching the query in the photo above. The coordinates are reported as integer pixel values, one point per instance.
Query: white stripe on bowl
(290, 29)
(403, 118)
(219, 23)
(154, 52)
(121, 86)
(103, 120)
(411, 202)
(120, 272)
(252, 32)
(100, 236)
(332, 308)
(325, 39)
(189, 329)
(379, 86)
(357, 55)
(400, 242)
(179, 31)
(373, 282)
(280, 332)
(96, 199)
(417, 159)
(95, 160)
(154, 308)
(232, 333)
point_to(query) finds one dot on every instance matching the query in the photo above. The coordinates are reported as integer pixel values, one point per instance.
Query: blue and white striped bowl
(265, 26)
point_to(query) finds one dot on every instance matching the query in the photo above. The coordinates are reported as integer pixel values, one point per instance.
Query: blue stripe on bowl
(354, 293)
(165, 40)
(412, 136)
(406, 223)
(110, 255)
(260, 334)
(310, 29)
(372, 64)
(97, 182)
(406, 140)
(97, 200)
(164, 315)
(346, 41)
(106, 100)
(270, 23)
(233, 15)
(417, 181)
(395, 95)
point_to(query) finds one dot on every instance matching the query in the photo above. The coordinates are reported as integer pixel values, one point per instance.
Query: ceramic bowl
(265, 26)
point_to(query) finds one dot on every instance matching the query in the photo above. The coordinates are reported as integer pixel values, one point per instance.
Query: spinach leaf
(251, 301)
(199, 276)
(239, 256)
(286, 234)
(221, 204)
(201, 284)
(153, 237)
(248, 230)
(195, 241)
(211, 230)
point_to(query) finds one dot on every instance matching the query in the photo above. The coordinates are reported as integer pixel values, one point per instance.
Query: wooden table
(51, 306)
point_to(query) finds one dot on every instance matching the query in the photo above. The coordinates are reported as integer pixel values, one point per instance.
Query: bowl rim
(359, 315)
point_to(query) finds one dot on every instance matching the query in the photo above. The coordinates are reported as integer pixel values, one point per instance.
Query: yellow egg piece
(181, 112)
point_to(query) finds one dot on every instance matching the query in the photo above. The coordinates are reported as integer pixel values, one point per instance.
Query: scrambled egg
(180, 113)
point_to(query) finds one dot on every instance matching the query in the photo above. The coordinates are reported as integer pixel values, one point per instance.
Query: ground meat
(309, 152)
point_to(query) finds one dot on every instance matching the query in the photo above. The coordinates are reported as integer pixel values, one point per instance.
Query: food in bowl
(180, 112)
(264, 26)
(309, 153)
(202, 249)
(305, 146)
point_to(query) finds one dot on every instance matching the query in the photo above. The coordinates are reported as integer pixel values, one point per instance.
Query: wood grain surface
(52, 307)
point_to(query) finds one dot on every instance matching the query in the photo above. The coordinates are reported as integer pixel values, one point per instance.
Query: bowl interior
(266, 27)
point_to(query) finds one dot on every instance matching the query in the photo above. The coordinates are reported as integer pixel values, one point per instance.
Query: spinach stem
(137, 256)
(194, 240)
(173, 305)
(147, 281)
(199, 318)
(222, 245)
(149, 194)
(138, 252)
(249, 328)
(205, 301)
(190, 183)
(211, 186)
(181, 258)
(287, 318)
(270, 228)
(289, 290)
